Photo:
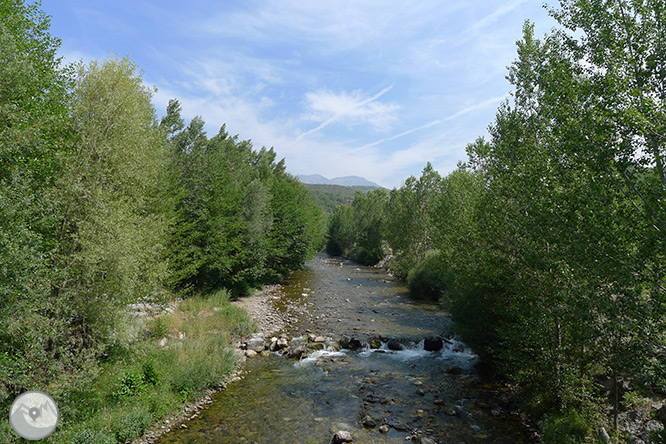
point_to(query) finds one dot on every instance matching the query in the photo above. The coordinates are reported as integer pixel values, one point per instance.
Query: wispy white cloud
(466, 110)
(310, 78)
(353, 108)
(496, 15)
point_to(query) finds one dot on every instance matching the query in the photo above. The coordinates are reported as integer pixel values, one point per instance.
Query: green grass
(139, 384)
(570, 427)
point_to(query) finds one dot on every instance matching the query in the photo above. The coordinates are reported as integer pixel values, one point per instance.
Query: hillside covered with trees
(102, 205)
(328, 197)
(547, 244)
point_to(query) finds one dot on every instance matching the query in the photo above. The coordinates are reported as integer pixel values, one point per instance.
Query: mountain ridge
(345, 181)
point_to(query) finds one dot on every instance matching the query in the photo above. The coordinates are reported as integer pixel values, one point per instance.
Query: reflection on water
(413, 391)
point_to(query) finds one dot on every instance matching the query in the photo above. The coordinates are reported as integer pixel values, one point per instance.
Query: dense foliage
(548, 244)
(241, 220)
(102, 205)
(328, 197)
(354, 231)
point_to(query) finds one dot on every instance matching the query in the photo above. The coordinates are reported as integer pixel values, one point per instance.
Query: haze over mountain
(346, 181)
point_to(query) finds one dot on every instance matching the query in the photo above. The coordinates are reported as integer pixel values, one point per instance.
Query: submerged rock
(368, 421)
(455, 371)
(452, 411)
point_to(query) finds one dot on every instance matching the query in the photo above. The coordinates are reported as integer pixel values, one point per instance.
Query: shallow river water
(415, 393)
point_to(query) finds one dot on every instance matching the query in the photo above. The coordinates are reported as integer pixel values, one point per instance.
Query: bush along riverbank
(172, 356)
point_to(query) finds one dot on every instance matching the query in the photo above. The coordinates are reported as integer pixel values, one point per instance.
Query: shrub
(367, 256)
(159, 327)
(131, 384)
(150, 375)
(567, 428)
(89, 436)
(133, 424)
(428, 279)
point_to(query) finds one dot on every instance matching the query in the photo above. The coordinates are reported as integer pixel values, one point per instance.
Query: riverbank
(162, 369)
(267, 321)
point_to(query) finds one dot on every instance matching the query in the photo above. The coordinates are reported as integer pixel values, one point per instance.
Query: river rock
(384, 428)
(394, 344)
(250, 353)
(296, 352)
(375, 343)
(433, 343)
(341, 437)
(356, 344)
(344, 341)
(368, 421)
(603, 435)
(661, 414)
(282, 343)
(255, 344)
(423, 440)
(452, 411)
(399, 426)
(455, 371)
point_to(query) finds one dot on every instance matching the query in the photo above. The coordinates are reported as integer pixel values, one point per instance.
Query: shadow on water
(412, 391)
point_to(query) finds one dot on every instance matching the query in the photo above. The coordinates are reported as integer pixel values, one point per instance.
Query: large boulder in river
(433, 343)
(296, 352)
(357, 344)
(352, 343)
(341, 437)
(395, 344)
(255, 342)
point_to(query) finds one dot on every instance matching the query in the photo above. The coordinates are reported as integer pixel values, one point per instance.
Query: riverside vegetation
(547, 245)
(103, 206)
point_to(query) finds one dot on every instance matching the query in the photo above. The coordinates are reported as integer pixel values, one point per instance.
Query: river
(415, 393)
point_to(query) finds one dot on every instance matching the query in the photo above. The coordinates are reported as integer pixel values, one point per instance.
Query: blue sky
(368, 88)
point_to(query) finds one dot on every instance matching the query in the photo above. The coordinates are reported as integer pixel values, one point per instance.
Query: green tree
(410, 228)
(356, 231)
(34, 135)
(115, 216)
(241, 219)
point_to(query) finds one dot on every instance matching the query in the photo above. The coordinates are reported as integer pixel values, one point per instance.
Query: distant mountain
(347, 181)
(313, 179)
